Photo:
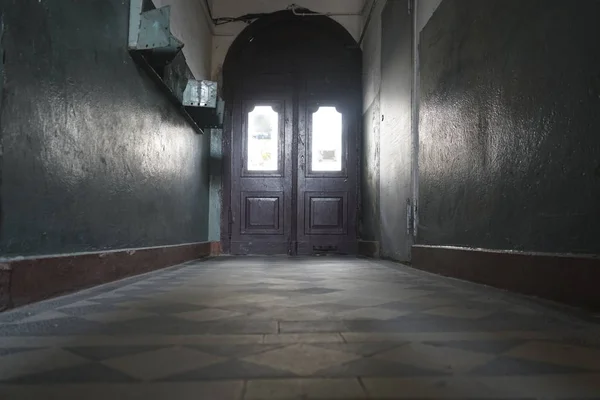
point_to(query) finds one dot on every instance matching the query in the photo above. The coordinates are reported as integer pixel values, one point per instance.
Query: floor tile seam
(244, 390)
(314, 378)
(363, 386)
(160, 339)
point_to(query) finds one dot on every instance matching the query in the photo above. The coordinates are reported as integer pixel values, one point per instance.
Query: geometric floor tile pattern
(296, 328)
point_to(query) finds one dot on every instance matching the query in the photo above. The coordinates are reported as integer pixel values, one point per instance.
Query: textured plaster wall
(510, 115)
(93, 155)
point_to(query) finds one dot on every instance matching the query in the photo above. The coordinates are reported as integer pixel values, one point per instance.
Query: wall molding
(567, 278)
(27, 280)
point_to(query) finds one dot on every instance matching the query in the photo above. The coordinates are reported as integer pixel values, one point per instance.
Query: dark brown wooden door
(261, 181)
(292, 89)
(327, 168)
(294, 168)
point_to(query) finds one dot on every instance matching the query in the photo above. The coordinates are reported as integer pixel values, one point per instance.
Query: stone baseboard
(569, 279)
(31, 279)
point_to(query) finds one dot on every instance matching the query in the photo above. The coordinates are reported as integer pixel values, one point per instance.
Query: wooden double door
(294, 166)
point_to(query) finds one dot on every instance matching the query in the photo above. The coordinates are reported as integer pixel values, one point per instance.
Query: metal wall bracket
(150, 27)
(201, 100)
(155, 32)
(208, 118)
(155, 49)
(200, 94)
(198, 97)
(150, 32)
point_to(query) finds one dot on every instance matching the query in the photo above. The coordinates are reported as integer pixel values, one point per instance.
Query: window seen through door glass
(263, 137)
(326, 140)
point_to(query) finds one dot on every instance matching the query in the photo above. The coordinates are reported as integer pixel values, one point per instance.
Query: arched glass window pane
(326, 140)
(263, 139)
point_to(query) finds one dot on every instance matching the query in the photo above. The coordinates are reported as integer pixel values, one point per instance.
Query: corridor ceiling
(347, 12)
(233, 8)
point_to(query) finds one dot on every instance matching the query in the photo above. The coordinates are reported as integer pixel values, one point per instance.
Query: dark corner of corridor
(261, 199)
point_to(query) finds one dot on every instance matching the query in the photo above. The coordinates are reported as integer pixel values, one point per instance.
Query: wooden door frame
(233, 72)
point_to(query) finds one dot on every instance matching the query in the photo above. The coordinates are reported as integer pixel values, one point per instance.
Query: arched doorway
(292, 86)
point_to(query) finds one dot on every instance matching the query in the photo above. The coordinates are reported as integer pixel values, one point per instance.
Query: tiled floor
(292, 328)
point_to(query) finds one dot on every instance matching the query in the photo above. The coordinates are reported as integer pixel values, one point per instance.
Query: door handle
(302, 162)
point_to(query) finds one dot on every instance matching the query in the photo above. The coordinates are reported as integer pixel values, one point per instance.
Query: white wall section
(191, 25)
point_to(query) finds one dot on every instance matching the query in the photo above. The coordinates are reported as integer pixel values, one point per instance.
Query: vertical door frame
(1, 134)
(226, 228)
(414, 4)
(397, 134)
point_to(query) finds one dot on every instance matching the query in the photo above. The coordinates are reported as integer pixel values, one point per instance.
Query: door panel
(261, 182)
(327, 173)
(326, 213)
(262, 213)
